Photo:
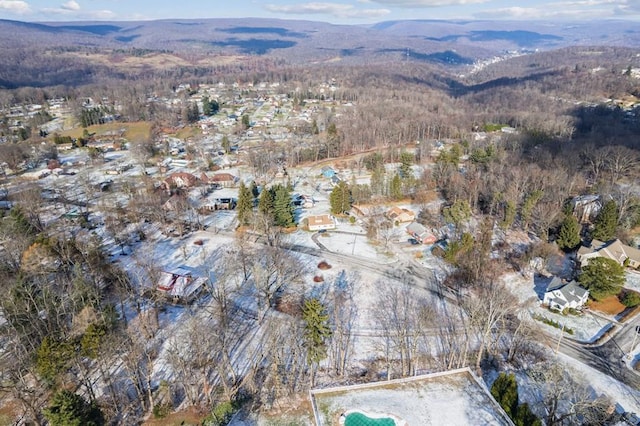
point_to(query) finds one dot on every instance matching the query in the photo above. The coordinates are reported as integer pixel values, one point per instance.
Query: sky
(337, 11)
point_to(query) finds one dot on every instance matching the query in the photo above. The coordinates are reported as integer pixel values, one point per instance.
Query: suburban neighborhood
(244, 261)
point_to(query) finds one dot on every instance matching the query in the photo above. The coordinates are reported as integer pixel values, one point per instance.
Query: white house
(320, 222)
(561, 295)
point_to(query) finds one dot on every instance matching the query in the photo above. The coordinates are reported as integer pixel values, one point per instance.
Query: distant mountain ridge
(74, 53)
(310, 40)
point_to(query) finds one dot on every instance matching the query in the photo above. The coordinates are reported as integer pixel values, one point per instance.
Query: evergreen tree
(377, 180)
(245, 205)
(509, 215)
(406, 160)
(340, 198)
(395, 187)
(206, 106)
(458, 212)
(569, 233)
(209, 107)
(282, 207)
(226, 145)
(606, 222)
(52, 358)
(528, 205)
(265, 203)
(525, 417)
(603, 277)
(505, 391)
(316, 330)
(70, 409)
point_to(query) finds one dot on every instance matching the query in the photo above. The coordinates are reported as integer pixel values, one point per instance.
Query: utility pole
(633, 343)
(559, 340)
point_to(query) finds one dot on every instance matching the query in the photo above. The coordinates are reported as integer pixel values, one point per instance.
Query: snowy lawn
(453, 398)
(587, 327)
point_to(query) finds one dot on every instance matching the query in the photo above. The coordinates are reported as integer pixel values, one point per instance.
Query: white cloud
(15, 6)
(70, 5)
(628, 6)
(333, 9)
(71, 10)
(101, 14)
(427, 3)
(545, 12)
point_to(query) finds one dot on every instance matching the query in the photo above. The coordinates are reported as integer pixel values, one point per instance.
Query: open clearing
(140, 130)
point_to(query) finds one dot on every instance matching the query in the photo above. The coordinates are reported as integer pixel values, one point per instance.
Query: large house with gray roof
(561, 295)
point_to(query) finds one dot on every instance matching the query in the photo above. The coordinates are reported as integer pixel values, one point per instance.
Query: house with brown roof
(321, 222)
(399, 215)
(623, 254)
(180, 180)
(226, 180)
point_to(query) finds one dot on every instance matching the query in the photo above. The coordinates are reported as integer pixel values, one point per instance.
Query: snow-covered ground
(587, 327)
(453, 398)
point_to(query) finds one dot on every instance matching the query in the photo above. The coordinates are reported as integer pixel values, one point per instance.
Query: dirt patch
(9, 412)
(131, 131)
(610, 306)
(188, 417)
(324, 266)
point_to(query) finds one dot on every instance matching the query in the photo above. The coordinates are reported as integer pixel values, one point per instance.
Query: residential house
(304, 201)
(586, 207)
(561, 295)
(420, 233)
(614, 249)
(181, 285)
(399, 215)
(226, 180)
(180, 180)
(321, 222)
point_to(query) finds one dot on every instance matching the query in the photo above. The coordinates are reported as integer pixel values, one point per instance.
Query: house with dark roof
(420, 233)
(561, 295)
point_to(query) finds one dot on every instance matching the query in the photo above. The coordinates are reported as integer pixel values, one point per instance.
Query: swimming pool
(358, 418)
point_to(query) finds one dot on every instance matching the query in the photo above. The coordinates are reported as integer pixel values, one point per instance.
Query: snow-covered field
(453, 398)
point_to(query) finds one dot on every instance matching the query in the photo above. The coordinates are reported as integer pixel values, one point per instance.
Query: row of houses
(182, 180)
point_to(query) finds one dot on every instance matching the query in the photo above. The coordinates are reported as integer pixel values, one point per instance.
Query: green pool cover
(359, 419)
